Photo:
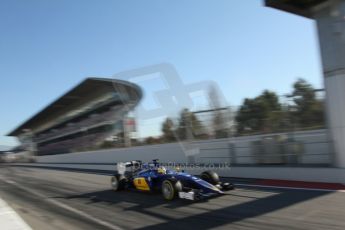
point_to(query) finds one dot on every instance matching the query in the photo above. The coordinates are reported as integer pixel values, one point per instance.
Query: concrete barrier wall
(315, 149)
(166, 152)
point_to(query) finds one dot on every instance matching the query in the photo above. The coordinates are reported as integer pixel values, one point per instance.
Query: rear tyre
(118, 182)
(211, 177)
(170, 189)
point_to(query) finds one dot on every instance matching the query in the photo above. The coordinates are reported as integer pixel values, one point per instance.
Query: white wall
(315, 150)
(166, 153)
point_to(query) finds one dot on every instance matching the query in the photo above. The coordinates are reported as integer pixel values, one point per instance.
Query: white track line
(64, 206)
(10, 220)
(292, 188)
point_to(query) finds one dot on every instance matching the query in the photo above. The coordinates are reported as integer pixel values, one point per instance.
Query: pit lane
(55, 199)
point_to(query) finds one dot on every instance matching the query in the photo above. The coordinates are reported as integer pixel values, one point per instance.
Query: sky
(49, 46)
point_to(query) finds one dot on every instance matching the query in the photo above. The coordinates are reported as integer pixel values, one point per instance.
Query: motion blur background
(260, 69)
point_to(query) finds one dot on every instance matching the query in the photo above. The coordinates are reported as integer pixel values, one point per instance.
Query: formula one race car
(172, 184)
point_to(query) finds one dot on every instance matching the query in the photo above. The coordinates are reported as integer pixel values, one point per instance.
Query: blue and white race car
(152, 177)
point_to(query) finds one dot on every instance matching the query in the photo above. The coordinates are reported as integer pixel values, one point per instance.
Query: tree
(219, 126)
(168, 130)
(264, 113)
(151, 140)
(196, 125)
(189, 126)
(308, 110)
(260, 114)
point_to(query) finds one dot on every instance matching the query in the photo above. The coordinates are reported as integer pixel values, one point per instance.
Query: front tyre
(211, 177)
(170, 189)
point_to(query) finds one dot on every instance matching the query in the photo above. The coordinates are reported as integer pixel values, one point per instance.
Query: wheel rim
(114, 183)
(167, 191)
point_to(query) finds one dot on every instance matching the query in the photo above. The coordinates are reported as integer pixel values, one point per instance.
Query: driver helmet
(162, 170)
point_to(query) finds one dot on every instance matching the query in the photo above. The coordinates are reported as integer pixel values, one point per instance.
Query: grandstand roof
(72, 97)
(299, 7)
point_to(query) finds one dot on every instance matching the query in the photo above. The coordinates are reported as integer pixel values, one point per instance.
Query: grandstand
(81, 119)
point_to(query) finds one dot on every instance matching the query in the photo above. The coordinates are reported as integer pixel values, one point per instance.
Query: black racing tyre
(170, 189)
(211, 177)
(118, 182)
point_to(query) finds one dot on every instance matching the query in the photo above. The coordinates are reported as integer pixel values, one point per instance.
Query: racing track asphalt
(53, 199)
